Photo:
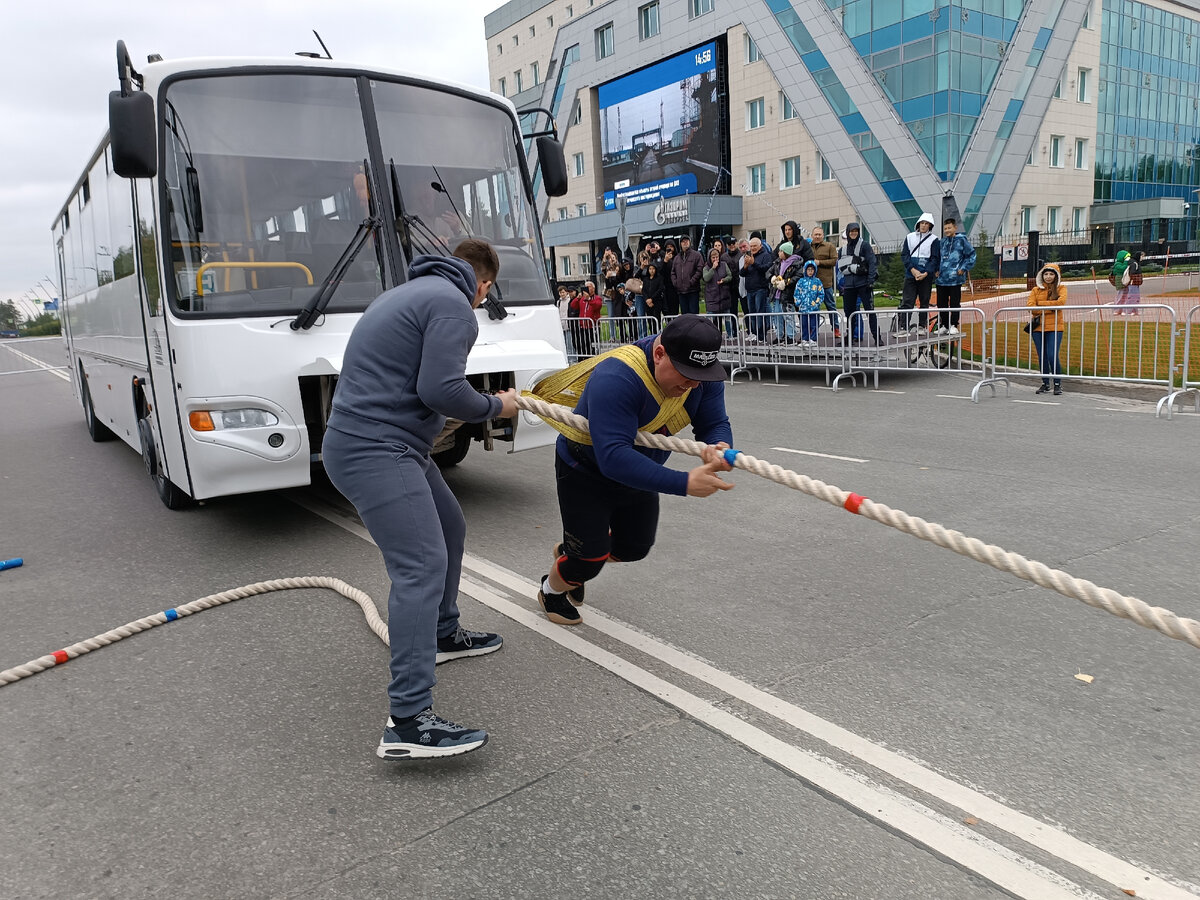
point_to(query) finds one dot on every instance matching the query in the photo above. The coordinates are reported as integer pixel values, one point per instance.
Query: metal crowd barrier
(777, 339)
(1189, 381)
(900, 341)
(1097, 345)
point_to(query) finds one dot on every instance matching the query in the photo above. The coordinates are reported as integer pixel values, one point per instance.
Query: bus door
(161, 393)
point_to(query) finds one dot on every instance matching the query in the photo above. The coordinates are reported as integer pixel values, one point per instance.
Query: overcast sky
(59, 63)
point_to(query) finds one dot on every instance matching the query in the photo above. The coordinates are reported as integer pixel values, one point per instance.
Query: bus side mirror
(554, 165)
(131, 135)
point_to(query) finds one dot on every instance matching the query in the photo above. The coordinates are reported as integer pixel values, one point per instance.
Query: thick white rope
(58, 657)
(1155, 617)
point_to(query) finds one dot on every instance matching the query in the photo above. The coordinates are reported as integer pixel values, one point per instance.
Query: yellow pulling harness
(565, 387)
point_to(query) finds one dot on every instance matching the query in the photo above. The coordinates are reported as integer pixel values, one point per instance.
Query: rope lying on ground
(1136, 610)
(58, 657)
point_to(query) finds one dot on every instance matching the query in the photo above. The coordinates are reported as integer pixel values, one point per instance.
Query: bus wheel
(449, 458)
(97, 429)
(171, 496)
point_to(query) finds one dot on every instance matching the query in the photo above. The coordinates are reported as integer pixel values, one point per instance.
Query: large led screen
(660, 130)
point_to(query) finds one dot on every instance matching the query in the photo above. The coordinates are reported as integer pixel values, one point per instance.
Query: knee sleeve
(629, 554)
(574, 570)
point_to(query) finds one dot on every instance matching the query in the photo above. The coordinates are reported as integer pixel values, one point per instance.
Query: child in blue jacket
(809, 296)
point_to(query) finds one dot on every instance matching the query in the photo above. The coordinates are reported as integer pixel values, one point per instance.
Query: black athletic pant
(915, 293)
(948, 296)
(601, 518)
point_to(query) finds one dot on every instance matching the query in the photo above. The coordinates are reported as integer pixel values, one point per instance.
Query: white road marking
(1002, 866)
(44, 366)
(882, 391)
(1040, 402)
(820, 387)
(951, 397)
(822, 455)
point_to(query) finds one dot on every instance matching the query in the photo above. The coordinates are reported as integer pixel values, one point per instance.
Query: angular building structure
(1076, 118)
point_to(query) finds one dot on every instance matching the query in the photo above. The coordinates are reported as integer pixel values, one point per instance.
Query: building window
(579, 164)
(516, 40)
(751, 50)
(503, 88)
(648, 21)
(1079, 219)
(824, 173)
(789, 111)
(1056, 150)
(604, 41)
(1083, 94)
(1087, 18)
(754, 114)
(584, 267)
(1029, 159)
(1025, 222)
(549, 21)
(499, 49)
(533, 74)
(789, 172)
(532, 31)
(564, 263)
(700, 7)
(1053, 219)
(831, 228)
(570, 10)
(756, 178)
(578, 114)
(517, 85)
(1058, 89)
(1081, 161)
(581, 209)
(562, 213)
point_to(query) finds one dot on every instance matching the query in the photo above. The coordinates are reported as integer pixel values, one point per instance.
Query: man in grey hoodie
(402, 376)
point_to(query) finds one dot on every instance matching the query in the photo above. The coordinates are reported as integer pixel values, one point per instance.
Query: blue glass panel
(917, 108)
(1043, 38)
(984, 182)
(897, 191)
(891, 36)
(993, 27)
(941, 102)
(942, 24)
(973, 24)
(862, 45)
(854, 124)
(971, 104)
(1035, 58)
(917, 28)
(1014, 110)
(815, 61)
(1009, 29)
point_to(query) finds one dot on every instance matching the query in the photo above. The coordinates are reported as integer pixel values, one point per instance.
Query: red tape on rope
(60, 656)
(853, 502)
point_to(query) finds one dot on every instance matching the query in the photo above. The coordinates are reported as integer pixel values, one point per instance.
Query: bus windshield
(455, 166)
(266, 180)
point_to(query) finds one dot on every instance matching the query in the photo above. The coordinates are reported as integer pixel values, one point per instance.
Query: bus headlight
(229, 419)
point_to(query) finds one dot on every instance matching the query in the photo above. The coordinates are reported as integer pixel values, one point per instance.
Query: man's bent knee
(576, 570)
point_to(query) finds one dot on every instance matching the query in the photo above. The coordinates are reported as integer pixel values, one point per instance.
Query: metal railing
(1189, 380)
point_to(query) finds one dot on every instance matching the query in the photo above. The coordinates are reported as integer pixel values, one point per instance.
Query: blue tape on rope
(171, 615)
(731, 455)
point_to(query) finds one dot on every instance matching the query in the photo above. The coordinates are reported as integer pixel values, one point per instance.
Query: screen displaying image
(660, 130)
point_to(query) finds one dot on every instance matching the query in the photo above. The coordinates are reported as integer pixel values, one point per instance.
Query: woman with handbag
(1046, 328)
(1119, 277)
(717, 279)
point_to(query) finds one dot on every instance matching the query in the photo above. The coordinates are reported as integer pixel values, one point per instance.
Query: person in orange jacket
(1047, 326)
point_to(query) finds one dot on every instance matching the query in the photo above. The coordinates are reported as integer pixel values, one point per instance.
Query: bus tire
(97, 429)
(170, 494)
(448, 459)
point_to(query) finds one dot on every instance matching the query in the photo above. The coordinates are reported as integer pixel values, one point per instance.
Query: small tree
(891, 274)
(44, 325)
(985, 259)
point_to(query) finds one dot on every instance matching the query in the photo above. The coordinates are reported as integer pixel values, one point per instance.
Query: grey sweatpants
(419, 528)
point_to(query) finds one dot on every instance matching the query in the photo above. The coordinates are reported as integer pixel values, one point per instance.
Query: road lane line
(950, 840)
(822, 455)
(1040, 402)
(1118, 872)
(951, 397)
(43, 366)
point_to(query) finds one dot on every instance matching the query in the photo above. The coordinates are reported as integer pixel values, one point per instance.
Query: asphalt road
(784, 700)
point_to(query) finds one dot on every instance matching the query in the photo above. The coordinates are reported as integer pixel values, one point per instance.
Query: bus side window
(148, 241)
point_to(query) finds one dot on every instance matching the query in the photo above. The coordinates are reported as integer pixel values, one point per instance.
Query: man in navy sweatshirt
(608, 487)
(402, 377)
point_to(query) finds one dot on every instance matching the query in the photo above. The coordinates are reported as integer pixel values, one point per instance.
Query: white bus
(235, 221)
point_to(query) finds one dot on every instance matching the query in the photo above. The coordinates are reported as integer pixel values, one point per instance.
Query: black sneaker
(467, 643)
(559, 608)
(1058, 392)
(1044, 389)
(575, 595)
(426, 735)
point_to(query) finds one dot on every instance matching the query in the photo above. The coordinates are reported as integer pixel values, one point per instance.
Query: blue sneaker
(467, 643)
(425, 735)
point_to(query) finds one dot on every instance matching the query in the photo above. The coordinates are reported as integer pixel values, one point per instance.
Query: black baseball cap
(693, 344)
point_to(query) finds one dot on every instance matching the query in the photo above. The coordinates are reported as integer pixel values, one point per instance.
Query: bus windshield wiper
(324, 293)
